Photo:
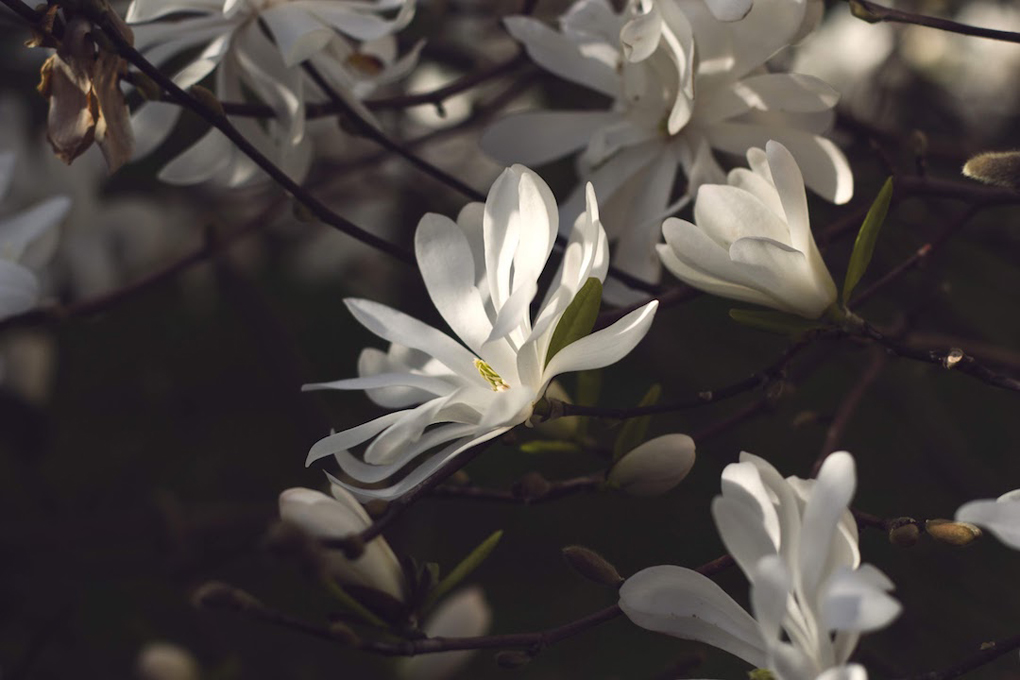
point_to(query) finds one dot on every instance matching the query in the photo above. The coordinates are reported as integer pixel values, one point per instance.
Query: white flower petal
(742, 530)
(771, 587)
(341, 441)
(830, 497)
(147, 10)
(19, 289)
(683, 603)
(851, 672)
(1001, 517)
(538, 137)
(463, 614)
(640, 36)
(857, 600)
(604, 347)
(557, 54)
(324, 517)
(826, 170)
(298, 33)
(448, 268)
(20, 231)
(398, 327)
(729, 10)
(786, 274)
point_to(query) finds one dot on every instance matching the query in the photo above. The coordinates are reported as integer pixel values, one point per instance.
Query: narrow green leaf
(578, 319)
(463, 570)
(589, 385)
(633, 431)
(549, 446)
(864, 246)
(352, 605)
(774, 322)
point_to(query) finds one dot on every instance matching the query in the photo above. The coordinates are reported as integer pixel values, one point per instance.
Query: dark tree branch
(873, 12)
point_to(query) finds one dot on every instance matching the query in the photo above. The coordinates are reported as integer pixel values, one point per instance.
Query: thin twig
(375, 134)
(873, 12)
(988, 652)
(524, 493)
(758, 379)
(848, 406)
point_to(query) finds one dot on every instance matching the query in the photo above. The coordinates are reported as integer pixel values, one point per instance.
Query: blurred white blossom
(752, 239)
(349, 43)
(166, 661)
(1000, 516)
(463, 614)
(796, 542)
(682, 83)
(320, 516)
(27, 240)
(482, 274)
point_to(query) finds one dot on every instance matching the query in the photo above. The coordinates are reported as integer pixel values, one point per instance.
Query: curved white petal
(856, 600)
(1001, 517)
(557, 54)
(538, 137)
(341, 441)
(19, 289)
(683, 603)
(447, 266)
(298, 33)
(830, 497)
(603, 347)
(398, 327)
(19, 231)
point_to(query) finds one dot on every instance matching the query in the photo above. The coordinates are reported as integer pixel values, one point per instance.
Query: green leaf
(774, 322)
(633, 431)
(864, 246)
(578, 319)
(589, 385)
(352, 605)
(463, 570)
(549, 446)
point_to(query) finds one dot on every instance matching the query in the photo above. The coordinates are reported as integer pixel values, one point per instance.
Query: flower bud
(532, 485)
(904, 532)
(591, 565)
(323, 517)
(655, 467)
(953, 533)
(999, 168)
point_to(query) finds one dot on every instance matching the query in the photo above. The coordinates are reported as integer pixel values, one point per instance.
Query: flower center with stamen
(490, 376)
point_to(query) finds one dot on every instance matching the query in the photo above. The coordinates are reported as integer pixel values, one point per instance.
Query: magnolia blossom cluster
(796, 542)
(266, 48)
(685, 79)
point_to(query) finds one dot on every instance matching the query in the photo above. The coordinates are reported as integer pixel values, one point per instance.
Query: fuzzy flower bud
(655, 467)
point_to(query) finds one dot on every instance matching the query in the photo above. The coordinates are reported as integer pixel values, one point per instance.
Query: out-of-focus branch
(210, 247)
(775, 370)
(988, 652)
(435, 97)
(873, 12)
(531, 489)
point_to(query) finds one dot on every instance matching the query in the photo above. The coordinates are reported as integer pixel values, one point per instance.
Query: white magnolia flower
(166, 661)
(482, 274)
(796, 541)
(682, 83)
(463, 614)
(1000, 516)
(654, 467)
(27, 241)
(265, 62)
(323, 517)
(752, 239)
